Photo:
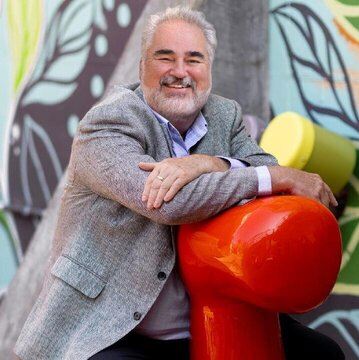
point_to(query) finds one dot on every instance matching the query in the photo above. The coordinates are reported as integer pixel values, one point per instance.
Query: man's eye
(165, 59)
(193, 61)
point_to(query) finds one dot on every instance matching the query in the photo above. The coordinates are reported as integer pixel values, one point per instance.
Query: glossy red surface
(242, 267)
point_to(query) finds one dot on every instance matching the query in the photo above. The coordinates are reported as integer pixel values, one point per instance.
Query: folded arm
(105, 158)
(171, 175)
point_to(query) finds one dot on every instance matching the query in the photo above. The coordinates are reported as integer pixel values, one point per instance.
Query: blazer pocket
(78, 276)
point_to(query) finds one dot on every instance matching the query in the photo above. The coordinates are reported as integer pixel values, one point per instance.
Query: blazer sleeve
(104, 160)
(243, 147)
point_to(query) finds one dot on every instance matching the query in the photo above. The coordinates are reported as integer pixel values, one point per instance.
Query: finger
(163, 172)
(333, 201)
(174, 189)
(155, 187)
(147, 166)
(324, 198)
(148, 184)
(165, 186)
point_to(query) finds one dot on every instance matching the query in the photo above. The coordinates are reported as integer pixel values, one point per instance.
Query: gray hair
(180, 13)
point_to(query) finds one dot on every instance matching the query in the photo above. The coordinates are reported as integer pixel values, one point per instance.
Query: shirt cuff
(264, 180)
(234, 163)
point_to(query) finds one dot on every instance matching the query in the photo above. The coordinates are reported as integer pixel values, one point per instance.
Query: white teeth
(177, 86)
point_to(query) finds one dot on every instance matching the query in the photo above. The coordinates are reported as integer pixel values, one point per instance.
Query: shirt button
(137, 315)
(161, 275)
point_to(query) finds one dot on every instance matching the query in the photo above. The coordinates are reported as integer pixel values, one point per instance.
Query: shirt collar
(197, 130)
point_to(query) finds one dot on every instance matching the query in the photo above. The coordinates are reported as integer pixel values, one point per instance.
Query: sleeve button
(161, 275)
(137, 315)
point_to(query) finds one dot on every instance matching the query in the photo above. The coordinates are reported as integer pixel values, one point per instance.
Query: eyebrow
(164, 52)
(195, 54)
(171, 52)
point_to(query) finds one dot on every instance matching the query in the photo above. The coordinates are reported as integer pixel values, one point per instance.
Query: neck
(182, 123)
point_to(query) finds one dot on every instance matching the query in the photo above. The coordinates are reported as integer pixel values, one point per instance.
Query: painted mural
(314, 70)
(56, 59)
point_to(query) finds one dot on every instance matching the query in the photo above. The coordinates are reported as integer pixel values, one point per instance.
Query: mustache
(170, 80)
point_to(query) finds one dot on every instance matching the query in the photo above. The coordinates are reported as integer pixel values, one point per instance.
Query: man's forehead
(179, 37)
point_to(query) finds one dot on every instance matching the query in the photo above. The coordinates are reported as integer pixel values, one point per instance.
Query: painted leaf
(25, 18)
(348, 280)
(49, 93)
(314, 55)
(344, 321)
(99, 16)
(346, 18)
(354, 21)
(349, 2)
(64, 55)
(8, 256)
(35, 168)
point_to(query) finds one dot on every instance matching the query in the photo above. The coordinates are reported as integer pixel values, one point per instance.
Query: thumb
(146, 166)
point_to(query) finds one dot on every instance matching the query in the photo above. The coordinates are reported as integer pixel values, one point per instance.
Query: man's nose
(179, 69)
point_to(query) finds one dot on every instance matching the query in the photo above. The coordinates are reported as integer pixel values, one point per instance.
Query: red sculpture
(242, 267)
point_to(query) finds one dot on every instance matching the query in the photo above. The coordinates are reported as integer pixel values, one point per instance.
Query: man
(113, 290)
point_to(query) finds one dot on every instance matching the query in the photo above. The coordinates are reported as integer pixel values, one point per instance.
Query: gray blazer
(108, 248)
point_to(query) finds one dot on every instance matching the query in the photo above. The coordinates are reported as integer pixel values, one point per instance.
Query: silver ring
(160, 177)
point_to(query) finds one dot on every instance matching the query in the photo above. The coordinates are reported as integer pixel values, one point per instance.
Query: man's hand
(171, 175)
(296, 182)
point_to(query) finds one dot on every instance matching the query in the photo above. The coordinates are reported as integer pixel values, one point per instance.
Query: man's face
(176, 73)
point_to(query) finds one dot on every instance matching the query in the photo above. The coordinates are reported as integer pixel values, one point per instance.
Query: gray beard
(176, 108)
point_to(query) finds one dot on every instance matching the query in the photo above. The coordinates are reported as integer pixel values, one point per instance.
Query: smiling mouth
(177, 86)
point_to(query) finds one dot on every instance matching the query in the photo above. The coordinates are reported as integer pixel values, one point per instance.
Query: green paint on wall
(8, 259)
(349, 2)
(354, 21)
(25, 23)
(350, 232)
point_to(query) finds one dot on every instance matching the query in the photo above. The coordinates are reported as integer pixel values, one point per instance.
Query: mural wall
(56, 58)
(314, 70)
(58, 55)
